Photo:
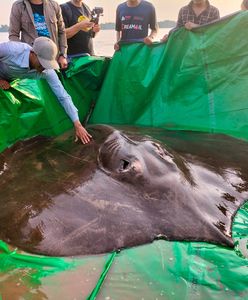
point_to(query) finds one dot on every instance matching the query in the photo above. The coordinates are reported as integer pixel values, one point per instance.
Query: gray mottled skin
(122, 190)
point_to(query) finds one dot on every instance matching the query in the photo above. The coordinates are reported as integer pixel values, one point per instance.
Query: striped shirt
(187, 14)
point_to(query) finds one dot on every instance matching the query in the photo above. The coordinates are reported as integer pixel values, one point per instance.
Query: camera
(96, 13)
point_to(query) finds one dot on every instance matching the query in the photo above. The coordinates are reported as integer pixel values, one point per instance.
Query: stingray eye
(124, 165)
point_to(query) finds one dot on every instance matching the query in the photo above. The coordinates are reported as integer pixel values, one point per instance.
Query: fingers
(63, 62)
(86, 25)
(85, 138)
(148, 40)
(164, 39)
(96, 28)
(117, 47)
(64, 65)
(82, 134)
(190, 25)
(187, 25)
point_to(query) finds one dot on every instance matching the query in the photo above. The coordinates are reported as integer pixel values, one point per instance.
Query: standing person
(33, 18)
(77, 16)
(19, 60)
(244, 5)
(197, 12)
(133, 19)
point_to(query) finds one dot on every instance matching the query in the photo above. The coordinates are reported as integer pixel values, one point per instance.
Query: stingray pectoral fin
(223, 241)
(222, 238)
(197, 229)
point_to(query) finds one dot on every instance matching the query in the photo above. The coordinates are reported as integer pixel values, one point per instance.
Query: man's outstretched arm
(65, 100)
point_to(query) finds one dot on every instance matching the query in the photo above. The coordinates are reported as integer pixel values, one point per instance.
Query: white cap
(46, 51)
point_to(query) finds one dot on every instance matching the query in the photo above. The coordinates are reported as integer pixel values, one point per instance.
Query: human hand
(117, 46)
(4, 84)
(96, 28)
(85, 25)
(190, 25)
(62, 62)
(81, 133)
(164, 38)
(148, 40)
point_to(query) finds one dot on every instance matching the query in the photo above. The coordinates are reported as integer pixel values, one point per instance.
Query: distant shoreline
(111, 26)
(4, 28)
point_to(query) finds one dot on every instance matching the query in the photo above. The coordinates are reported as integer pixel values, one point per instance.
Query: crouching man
(19, 60)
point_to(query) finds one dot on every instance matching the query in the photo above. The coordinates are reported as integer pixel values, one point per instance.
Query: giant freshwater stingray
(126, 188)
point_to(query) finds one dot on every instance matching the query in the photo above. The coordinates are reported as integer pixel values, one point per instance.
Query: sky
(166, 9)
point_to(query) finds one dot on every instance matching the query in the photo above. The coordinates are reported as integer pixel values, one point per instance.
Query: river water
(103, 43)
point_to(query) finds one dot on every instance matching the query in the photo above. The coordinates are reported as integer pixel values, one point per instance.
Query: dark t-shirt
(39, 20)
(134, 22)
(81, 42)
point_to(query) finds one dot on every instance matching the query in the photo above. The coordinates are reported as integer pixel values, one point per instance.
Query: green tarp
(29, 108)
(196, 81)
